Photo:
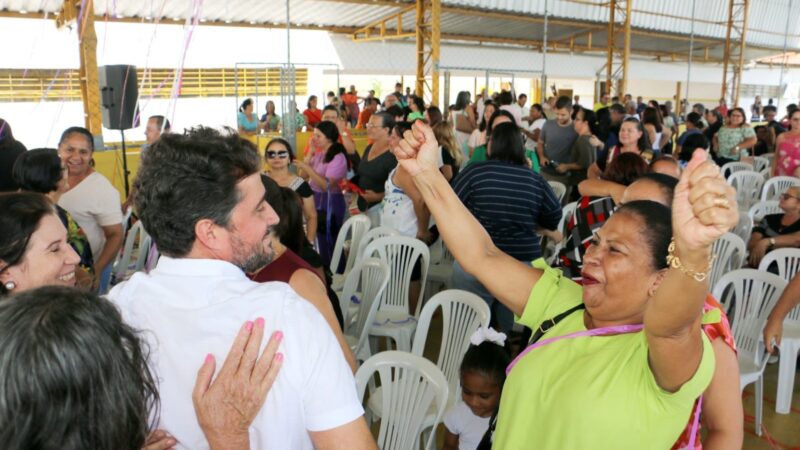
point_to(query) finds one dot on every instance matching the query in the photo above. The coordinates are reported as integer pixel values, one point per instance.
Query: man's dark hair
(38, 170)
(387, 120)
(564, 102)
(616, 107)
(521, 96)
(330, 107)
(395, 111)
(770, 108)
(190, 177)
(162, 122)
(74, 374)
(700, 107)
(505, 98)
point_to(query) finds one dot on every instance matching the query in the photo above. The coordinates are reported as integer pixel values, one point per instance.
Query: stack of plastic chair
(369, 279)
(411, 386)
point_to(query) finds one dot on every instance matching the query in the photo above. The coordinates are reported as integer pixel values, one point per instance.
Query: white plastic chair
(440, 272)
(552, 248)
(732, 167)
(369, 277)
(137, 246)
(462, 313)
(354, 228)
(775, 186)
(788, 263)
(752, 294)
(371, 235)
(729, 250)
(766, 173)
(760, 163)
(761, 209)
(790, 348)
(559, 189)
(410, 386)
(787, 260)
(748, 186)
(393, 319)
(744, 228)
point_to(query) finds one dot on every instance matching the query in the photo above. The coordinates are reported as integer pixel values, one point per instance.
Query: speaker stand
(125, 171)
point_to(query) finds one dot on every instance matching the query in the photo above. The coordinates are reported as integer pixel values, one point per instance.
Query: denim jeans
(502, 317)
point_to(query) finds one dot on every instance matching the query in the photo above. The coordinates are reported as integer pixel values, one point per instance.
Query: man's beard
(252, 259)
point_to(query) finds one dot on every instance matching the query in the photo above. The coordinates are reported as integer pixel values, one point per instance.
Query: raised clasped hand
(417, 151)
(704, 207)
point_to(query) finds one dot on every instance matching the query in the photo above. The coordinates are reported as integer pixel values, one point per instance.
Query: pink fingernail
(278, 336)
(260, 322)
(248, 325)
(279, 357)
(209, 358)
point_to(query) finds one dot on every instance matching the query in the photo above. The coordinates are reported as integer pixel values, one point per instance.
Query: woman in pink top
(324, 169)
(787, 161)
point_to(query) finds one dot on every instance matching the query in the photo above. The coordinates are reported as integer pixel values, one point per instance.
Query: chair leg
(759, 403)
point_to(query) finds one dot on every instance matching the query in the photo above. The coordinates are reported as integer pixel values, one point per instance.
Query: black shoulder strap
(545, 326)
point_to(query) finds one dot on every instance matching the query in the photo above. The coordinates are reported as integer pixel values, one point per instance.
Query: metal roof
(660, 28)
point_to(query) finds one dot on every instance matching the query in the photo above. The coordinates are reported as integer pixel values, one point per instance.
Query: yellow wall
(109, 162)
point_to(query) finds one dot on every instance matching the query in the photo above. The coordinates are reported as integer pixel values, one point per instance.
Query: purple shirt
(336, 169)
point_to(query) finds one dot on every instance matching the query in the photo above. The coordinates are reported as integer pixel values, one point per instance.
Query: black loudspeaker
(119, 94)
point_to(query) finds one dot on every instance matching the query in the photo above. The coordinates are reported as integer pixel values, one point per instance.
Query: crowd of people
(621, 338)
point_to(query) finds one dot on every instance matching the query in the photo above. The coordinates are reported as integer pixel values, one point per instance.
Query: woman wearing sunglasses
(777, 230)
(279, 156)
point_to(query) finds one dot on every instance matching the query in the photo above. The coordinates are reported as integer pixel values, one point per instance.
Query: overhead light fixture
(23, 12)
(228, 21)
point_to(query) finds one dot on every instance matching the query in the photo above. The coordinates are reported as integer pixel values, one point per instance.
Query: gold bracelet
(674, 262)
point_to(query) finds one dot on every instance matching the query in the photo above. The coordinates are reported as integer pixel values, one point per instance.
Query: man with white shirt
(201, 199)
(506, 101)
(522, 99)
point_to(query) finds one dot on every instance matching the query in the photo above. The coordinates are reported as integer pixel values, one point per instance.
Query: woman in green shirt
(735, 139)
(417, 107)
(501, 116)
(634, 385)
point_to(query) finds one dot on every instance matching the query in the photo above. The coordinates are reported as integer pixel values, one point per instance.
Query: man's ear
(209, 234)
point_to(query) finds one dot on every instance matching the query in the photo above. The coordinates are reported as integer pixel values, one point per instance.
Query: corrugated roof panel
(767, 18)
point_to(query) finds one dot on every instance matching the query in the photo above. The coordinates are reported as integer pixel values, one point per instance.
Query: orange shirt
(349, 99)
(363, 118)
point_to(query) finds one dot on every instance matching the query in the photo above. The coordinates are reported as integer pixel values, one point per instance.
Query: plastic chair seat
(396, 325)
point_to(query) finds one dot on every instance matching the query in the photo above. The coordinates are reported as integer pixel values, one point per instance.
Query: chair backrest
(369, 277)
(766, 174)
(760, 163)
(354, 227)
(744, 228)
(371, 235)
(733, 167)
(559, 189)
(729, 250)
(566, 214)
(440, 254)
(410, 385)
(462, 313)
(400, 253)
(136, 233)
(787, 260)
(761, 209)
(775, 186)
(752, 294)
(748, 187)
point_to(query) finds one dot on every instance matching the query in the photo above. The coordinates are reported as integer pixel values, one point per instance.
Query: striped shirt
(511, 202)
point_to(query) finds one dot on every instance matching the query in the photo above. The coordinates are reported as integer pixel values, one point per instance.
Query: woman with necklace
(777, 230)
(279, 156)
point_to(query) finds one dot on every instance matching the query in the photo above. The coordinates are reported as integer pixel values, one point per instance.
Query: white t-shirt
(188, 308)
(525, 110)
(470, 428)
(94, 203)
(537, 124)
(515, 111)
